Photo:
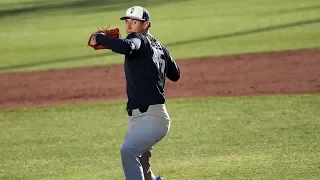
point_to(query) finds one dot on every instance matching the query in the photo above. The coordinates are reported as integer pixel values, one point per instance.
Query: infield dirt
(286, 72)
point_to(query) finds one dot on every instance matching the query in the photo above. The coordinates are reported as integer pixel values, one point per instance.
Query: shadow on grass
(144, 3)
(78, 6)
(247, 32)
(228, 35)
(48, 62)
(295, 10)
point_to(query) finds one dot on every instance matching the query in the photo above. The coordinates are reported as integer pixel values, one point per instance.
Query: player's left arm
(121, 46)
(173, 70)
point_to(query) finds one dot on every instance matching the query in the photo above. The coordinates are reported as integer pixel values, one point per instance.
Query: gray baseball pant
(144, 130)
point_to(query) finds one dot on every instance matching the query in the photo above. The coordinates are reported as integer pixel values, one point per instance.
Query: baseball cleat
(159, 178)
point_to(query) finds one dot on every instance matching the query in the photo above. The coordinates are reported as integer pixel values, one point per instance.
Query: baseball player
(147, 64)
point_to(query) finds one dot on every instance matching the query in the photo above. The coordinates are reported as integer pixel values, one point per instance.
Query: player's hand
(93, 41)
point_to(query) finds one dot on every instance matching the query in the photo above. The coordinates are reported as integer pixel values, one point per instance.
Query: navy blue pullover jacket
(147, 64)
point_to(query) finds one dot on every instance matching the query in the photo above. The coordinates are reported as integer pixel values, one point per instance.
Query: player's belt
(142, 110)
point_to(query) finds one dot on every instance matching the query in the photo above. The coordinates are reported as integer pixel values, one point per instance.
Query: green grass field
(265, 137)
(276, 137)
(41, 35)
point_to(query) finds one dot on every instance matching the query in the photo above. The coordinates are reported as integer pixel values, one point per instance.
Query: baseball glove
(114, 33)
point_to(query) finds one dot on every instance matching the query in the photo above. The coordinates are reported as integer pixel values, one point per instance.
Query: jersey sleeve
(173, 70)
(122, 46)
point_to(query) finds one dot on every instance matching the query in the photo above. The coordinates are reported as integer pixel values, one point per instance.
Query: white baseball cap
(137, 12)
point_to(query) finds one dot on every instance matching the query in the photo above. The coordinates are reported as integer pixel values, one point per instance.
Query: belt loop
(129, 112)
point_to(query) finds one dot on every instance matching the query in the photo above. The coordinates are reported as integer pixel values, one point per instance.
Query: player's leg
(146, 132)
(145, 162)
(144, 159)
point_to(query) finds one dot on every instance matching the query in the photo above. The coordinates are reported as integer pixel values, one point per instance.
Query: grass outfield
(272, 137)
(39, 34)
(266, 137)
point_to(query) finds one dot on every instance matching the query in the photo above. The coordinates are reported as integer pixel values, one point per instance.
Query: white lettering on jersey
(159, 61)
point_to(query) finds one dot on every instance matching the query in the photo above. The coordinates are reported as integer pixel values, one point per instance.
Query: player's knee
(127, 151)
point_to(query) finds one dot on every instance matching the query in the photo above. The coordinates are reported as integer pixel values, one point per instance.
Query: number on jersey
(158, 59)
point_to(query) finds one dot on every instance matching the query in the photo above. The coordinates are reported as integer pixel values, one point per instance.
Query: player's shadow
(246, 32)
